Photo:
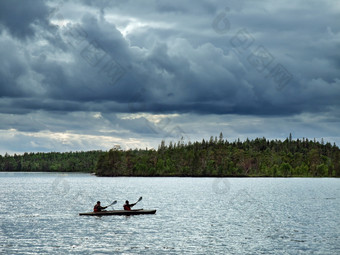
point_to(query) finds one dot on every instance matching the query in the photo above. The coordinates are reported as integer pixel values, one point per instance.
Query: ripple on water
(250, 216)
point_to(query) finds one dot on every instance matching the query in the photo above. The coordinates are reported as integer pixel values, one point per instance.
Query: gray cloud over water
(148, 69)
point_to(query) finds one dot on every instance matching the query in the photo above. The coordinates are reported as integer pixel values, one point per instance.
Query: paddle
(113, 203)
(139, 200)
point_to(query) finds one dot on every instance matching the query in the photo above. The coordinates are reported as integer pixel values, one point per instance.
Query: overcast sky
(88, 75)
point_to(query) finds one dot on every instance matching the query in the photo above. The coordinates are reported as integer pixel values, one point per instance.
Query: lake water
(39, 215)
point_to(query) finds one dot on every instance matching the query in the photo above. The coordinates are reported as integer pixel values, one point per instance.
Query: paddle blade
(139, 199)
(113, 203)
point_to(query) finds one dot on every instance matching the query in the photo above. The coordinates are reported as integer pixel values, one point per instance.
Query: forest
(216, 157)
(51, 162)
(219, 157)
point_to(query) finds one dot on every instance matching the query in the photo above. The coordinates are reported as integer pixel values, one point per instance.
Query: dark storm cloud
(168, 57)
(19, 17)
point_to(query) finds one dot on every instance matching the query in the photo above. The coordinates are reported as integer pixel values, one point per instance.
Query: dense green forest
(50, 162)
(218, 157)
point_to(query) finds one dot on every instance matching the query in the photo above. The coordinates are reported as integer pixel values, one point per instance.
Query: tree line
(51, 162)
(219, 157)
(208, 158)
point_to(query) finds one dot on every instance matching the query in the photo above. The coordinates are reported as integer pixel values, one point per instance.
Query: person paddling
(98, 208)
(127, 206)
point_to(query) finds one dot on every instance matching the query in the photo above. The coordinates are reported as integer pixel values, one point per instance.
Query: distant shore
(214, 158)
(221, 158)
(164, 176)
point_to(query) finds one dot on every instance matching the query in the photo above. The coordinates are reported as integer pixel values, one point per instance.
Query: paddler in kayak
(98, 208)
(127, 206)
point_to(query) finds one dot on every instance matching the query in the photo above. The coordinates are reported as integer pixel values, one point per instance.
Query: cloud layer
(132, 73)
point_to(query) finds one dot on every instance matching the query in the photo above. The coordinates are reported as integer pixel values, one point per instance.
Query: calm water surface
(39, 215)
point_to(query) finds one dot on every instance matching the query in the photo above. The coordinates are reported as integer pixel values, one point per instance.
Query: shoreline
(169, 176)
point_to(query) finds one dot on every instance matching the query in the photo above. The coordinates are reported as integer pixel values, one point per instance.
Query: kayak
(119, 212)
